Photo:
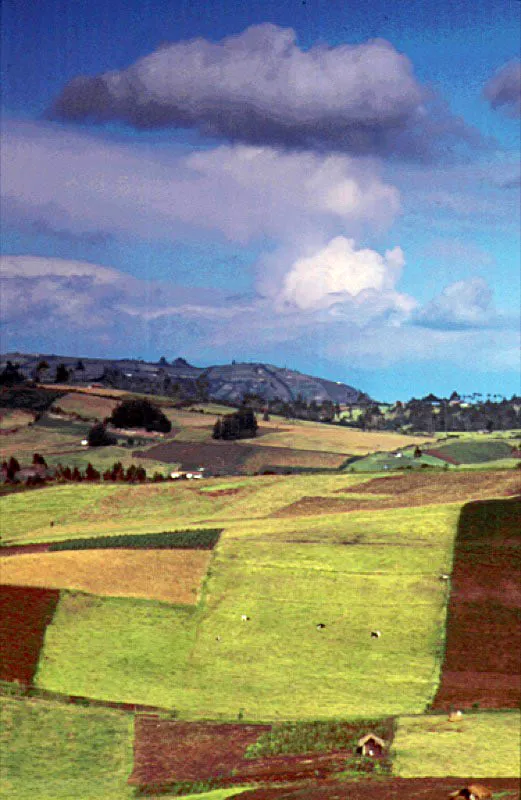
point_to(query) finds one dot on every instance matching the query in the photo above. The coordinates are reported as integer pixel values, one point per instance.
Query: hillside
(226, 383)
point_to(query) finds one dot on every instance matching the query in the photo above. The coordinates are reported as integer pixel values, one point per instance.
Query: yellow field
(172, 576)
(301, 435)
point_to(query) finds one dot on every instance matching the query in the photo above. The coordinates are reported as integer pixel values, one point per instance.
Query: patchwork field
(24, 616)
(386, 789)
(287, 578)
(172, 576)
(14, 418)
(482, 661)
(87, 405)
(410, 490)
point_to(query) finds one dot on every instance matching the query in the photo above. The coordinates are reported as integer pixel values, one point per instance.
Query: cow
(320, 626)
(444, 577)
(455, 716)
(245, 618)
(375, 634)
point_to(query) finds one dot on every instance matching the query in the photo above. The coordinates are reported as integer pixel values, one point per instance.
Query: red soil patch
(483, 649)
(24, 549)
(388, 789)
(167, 752)
(24, 615)
(408, 490)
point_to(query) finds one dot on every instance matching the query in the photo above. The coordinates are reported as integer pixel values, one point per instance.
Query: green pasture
(354, 573)
(484, 745)
(103, 458)
(80, 510)
(117, 649)
(380, 462)
(52, 751)
(476, 451)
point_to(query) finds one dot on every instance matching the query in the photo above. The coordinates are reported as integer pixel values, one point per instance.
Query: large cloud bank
(503, 90)
(259, 87)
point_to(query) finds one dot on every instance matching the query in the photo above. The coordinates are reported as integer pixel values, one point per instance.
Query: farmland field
(481, 745)
(277, 664)
(87, 405)
(56, 752)
(484, 620)
(172, 576)
(25, 614)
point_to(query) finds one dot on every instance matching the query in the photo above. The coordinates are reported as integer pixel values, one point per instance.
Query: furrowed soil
(384, 789)
(484, 618)
(408, 490)
(24, 616)
(166, 752)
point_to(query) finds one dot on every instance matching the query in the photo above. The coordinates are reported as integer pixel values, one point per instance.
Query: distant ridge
(226, 382)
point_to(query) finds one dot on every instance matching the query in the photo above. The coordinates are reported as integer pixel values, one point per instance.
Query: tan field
(301, 435)
(14, 418)
(87, 405)
(172, 576)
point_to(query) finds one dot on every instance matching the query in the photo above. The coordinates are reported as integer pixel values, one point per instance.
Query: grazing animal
(320, 626)
(245, 618)
(375, 634)
(444, 577)
(51, 523)
(217, 638)
(455, 716)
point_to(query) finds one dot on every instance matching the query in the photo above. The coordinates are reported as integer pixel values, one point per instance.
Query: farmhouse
(370, 745)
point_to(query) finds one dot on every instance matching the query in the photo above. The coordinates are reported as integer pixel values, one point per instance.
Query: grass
(56, 752)
(171, 576)
(117, 649)
(294, 738)
(14, 418)
(473, 451)
(302, 435)
(80, 510)
(103, 458)
(87, 405)
(287, 577)
(484, 745)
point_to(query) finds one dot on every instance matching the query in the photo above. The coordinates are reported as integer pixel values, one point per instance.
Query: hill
(225, 383)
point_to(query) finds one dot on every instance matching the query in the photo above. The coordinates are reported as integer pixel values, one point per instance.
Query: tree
(99, 437)
(240, 425)
(11, 375)
(91, 474)
(62, 374)
(140, 413)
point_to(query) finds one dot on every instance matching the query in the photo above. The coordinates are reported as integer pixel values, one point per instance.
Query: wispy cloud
(503, 90)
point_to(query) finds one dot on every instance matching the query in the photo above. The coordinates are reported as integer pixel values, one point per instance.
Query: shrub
(98, 436)
(140, 413)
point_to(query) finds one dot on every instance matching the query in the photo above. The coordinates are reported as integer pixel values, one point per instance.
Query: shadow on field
(483, 647)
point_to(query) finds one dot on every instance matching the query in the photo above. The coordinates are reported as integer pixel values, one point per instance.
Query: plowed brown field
(410, 489)
(166, 752)
(388, 789)
(234, 458)
(483, 651)
(24, 616)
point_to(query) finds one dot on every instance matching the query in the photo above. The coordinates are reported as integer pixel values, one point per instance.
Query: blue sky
(333, 186)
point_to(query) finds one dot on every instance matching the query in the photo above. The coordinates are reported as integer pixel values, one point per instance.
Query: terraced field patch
(484, 618)
(171, 576)
(24, 616)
